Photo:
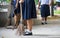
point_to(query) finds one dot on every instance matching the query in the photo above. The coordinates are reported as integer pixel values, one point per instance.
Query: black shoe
(42, 23)
(45, 22)
(27, 33)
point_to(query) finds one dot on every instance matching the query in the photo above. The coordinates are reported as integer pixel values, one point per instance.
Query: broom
(21, 26)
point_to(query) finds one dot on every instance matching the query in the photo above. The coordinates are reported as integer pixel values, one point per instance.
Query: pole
(52, 11)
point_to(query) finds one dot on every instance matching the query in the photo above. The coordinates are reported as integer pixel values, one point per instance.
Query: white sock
(28, 31)
(25, 30)
(43, 21)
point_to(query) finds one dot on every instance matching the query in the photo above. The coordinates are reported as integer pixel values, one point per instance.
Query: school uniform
(45, 10)
(17, 10)
(14, 9)
(29, 9)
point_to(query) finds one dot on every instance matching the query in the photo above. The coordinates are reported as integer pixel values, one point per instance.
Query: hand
(50, 4)
(38, 7)
(21, 1)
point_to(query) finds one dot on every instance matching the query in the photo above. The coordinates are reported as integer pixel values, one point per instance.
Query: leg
(29, 24)
(43, 20)
(29, 27)
(17, 19)
(25, 24)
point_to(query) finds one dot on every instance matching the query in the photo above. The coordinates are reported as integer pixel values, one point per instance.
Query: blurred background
(5, 10)
(48, 30)
(4, 6)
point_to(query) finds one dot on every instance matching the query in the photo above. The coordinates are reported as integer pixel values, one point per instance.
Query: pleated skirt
(45, 10)
(29, 10)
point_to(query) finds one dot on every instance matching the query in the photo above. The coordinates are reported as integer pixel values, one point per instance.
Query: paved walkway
(50, 30)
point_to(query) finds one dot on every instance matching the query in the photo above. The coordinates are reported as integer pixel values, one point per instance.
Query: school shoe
(27, 33)
(42, 23)
(45, 22)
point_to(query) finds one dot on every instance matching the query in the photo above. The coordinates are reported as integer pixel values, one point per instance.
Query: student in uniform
(11, 12)
(45, 10)
(17, 13)
(29, 13)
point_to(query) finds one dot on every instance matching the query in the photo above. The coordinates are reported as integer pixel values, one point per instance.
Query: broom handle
(21, 12)
(22, 26)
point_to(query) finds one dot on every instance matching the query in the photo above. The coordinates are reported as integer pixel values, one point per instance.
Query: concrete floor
(50, 30)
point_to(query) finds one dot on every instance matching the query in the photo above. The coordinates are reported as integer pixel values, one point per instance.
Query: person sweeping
(28, 13)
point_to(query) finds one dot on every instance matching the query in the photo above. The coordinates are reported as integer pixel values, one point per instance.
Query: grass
(56, 11)
(36, 2)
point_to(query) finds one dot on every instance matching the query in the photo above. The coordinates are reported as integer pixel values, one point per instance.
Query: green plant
(36, 2)
(56, 11)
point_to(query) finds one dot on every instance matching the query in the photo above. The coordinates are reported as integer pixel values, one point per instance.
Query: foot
(42, 23)
(27, 33)
(45, 22)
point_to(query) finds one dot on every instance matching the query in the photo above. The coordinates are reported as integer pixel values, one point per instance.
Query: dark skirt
(17, 10)
(29, 9)
(45, 10)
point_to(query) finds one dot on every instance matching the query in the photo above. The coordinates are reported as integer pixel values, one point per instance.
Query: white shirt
(45, 2)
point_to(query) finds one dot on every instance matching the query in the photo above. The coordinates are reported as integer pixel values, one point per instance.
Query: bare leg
(29, 27)
(17, 19)
(25, 24)
(29, 24)
(43, 20)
